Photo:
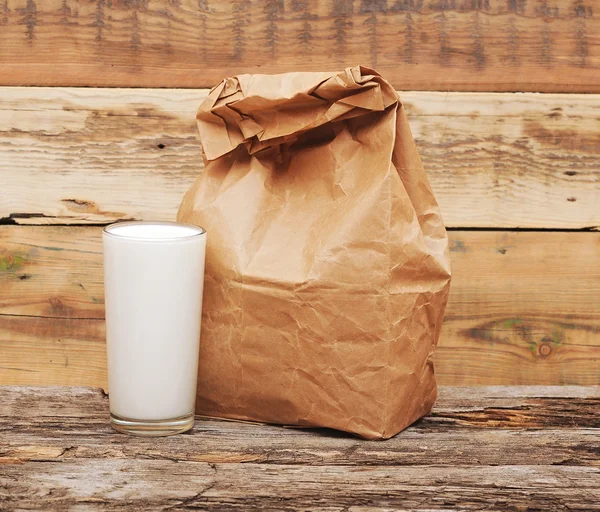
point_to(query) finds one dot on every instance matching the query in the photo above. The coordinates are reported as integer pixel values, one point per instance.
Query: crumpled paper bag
(327, 267)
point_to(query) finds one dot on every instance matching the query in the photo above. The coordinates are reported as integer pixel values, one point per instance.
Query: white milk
(153, 278)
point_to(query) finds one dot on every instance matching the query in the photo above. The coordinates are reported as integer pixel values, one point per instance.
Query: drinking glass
(153, 281)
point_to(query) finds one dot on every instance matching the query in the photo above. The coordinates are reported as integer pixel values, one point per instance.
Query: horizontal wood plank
(60, 453)
(115, 484)
(486, 424)
(489, 45)
(524, 308)
(98, 155)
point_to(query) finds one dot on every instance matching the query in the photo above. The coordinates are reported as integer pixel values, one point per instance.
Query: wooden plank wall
(517, 173)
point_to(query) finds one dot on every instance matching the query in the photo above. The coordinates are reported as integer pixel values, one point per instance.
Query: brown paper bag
(327, 269)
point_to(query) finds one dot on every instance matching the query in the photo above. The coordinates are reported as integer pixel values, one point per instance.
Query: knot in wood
(545, 349)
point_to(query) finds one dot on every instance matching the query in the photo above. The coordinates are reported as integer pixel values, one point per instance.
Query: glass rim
(106, 231)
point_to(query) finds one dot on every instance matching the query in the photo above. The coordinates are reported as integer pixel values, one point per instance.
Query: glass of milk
(153, 280)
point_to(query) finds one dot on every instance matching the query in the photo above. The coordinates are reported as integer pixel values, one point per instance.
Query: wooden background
(503, 98)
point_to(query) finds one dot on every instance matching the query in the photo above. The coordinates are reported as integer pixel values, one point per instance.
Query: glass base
(152, 428)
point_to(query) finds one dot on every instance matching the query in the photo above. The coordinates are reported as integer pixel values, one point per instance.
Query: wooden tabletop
(493, 448)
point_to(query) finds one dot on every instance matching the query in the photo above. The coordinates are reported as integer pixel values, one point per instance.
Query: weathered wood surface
(499, 448)
(486, 45)
(97, 155)
(524, 308)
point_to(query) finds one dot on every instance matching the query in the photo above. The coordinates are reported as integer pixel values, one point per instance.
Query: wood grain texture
(99, 155)
(524, 308)
(475, 451)
(485, 45)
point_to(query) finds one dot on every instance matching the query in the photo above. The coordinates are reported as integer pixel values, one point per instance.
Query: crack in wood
(29, 370)
(53, 317)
